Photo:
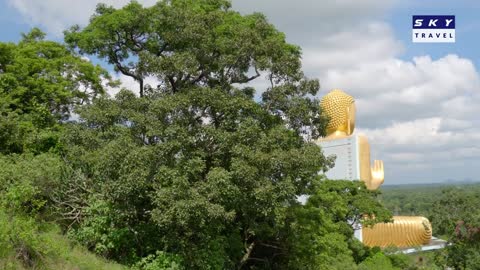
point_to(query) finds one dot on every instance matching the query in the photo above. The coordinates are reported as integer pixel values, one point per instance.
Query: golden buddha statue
(339, 107)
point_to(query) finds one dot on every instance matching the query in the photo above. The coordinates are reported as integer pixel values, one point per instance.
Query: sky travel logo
(433, 28)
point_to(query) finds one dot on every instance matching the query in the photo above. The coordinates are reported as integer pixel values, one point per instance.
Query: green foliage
(160, 260)
(457, 218)
(28, 188)
(410, 201)
(199, 185)
(26, 182)
(378, 262)
(97, 233)
(19, 235)
(40, 81)
(452, 206)
(321, 233)
(401, 261)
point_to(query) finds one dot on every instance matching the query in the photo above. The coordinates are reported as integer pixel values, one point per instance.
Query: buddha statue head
(339, 107)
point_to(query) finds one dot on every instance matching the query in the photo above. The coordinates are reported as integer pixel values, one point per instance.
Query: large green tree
(195, 167)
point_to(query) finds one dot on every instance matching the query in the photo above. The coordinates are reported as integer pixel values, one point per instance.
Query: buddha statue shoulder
(353, 156)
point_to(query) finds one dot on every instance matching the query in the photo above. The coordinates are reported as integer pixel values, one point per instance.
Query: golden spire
(339, 107)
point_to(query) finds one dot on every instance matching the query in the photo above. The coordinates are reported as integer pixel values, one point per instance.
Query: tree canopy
(185, 43)
(40, 82)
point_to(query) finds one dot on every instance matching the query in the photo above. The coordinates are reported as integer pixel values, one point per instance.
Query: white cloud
(455, 125)
(57, 15)
(423, 149)
(307, 22)
(346, 49)
(421, 134)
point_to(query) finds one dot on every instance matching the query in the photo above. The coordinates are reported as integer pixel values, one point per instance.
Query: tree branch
(115, 59)
(257, 74)
(246, 256)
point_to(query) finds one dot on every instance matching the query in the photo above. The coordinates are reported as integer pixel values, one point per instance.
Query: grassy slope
(62, 254)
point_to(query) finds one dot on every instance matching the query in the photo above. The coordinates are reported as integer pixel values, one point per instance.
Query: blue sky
(11, 23)
(467, 28)
(417, 103)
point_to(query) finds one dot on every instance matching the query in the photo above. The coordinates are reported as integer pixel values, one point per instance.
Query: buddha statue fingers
(378, 175)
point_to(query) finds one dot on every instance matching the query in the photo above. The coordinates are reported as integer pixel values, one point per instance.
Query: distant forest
(453, 210)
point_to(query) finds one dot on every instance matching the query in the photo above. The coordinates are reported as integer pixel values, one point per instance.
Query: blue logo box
(433, 22)
(433, 28)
